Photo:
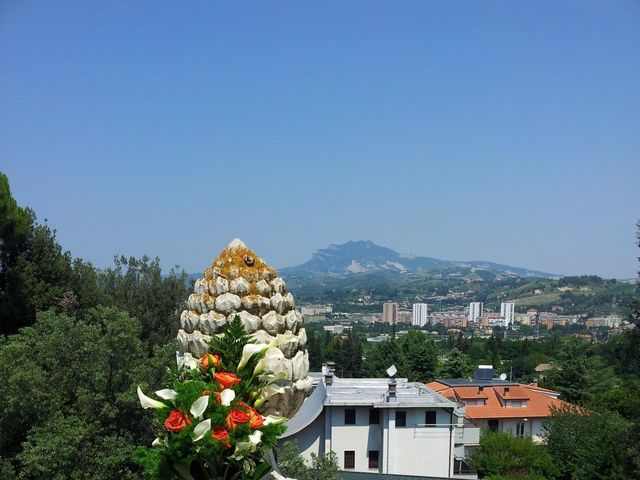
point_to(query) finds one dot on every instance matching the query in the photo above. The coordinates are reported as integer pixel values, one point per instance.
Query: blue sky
(503, 131)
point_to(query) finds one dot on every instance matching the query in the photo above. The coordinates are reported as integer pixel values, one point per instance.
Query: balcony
(468, 433)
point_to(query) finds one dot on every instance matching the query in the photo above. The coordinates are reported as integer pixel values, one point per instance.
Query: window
(430, 418)
(374, 416)
(373, 458)
(349, 459)
(520, 429)
(516, 403)
(349, 416)
(401, 418)
(493, 425)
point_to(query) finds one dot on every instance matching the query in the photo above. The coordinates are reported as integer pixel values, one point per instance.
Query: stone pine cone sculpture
(240, 283)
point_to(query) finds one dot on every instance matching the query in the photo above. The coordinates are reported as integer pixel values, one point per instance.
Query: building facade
(503, 406)
(377, 425)
(390, 313)
(475, 311)
(420, 314)
(508, 312)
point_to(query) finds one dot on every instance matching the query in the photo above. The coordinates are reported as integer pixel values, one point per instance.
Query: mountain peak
(364, 256)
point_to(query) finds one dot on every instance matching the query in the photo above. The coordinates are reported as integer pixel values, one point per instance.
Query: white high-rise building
(508, 312)
(420, 314)
(390, 313)
(475, 311)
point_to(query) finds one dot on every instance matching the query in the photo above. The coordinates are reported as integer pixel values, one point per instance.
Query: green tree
(381, 356)
(493, 350)
(457, 365)
(323, 466)
(420, 357)
(588, 445)
(578, 376)
(139, 287)
(291, 462)
(68, 392)
(503, 455)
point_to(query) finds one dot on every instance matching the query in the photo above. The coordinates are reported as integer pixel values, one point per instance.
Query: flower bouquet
(209, 423)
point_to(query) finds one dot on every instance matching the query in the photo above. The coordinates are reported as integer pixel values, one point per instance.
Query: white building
(312, 310)
(508, 312)
(375, 425)
(390, 313)
(420, 314)
(475, 311)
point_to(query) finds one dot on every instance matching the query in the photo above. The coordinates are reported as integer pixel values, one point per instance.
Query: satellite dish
(503, 376)
(392, 370)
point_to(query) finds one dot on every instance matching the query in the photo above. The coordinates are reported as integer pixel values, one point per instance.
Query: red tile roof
(538, 404)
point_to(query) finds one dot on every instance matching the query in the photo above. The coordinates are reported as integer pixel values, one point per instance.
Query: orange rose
(236, 417)
(219, 433)
(205, 392)
(226, 379)
(208, 361)
(255, 419)
(176, 421)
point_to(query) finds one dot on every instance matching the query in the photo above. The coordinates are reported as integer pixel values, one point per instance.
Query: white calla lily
(147, 402)
(167, 394)
(249, 350)
(271, 361)
(250, 446)
(270, 390)
(199, 406)
(227, 396)
(201, 429)
(157, 442)
(269, 419)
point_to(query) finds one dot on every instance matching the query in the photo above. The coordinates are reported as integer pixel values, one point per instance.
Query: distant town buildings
(508, 311)
(611, 321)
(475, 311)
(337, 329)
(313, 310)
(420, 314)
(390, 313)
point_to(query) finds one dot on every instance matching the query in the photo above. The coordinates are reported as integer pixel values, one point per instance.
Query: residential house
(387, 426)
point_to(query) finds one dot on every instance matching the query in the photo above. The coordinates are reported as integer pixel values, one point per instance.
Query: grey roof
(381, 476)
(372, 392)
(375, 392)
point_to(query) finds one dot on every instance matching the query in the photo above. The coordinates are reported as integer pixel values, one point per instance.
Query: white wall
(360, 437)
(412, 450)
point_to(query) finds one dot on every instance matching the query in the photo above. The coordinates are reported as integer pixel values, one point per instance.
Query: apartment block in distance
(475, 311)
(420, 314)
(390, 313)
(508, 312)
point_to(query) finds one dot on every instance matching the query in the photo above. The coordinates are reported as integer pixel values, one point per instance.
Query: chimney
(392, 390)
(480, 389)
(327, 370)
(506, 391)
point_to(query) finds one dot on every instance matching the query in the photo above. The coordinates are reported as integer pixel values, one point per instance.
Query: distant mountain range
(363, 256)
